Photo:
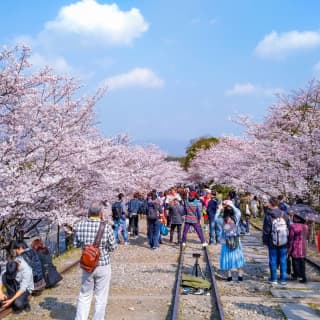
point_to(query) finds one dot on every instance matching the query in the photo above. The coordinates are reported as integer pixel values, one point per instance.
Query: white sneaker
(183, 244)
(204, 244)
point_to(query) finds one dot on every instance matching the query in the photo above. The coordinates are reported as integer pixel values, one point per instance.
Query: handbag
(51, 275)
(164, 230)
(232, 242)
(91, 253)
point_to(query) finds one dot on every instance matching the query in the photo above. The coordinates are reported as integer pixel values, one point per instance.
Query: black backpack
(116, 210)
(33, 260)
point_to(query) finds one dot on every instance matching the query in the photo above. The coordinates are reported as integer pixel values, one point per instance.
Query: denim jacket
(134, 206)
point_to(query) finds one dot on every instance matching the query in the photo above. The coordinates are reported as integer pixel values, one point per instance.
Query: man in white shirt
(17, 280)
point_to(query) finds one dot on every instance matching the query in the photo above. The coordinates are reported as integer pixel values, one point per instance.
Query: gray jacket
(176, 212)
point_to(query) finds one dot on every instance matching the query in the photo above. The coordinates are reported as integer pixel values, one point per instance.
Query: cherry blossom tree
(278, 156)
(53, 161)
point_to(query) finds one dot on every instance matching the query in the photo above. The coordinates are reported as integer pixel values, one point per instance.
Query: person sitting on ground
(16, 285)
(297, 247)
(51, 275)
(32, 258)
(231, 255)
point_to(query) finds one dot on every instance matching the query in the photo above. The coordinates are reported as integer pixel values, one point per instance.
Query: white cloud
(278, 45)
(102, 23)
(59, 64)
(138, 77)
(246, 89)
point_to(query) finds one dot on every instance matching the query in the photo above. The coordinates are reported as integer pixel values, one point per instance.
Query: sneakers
(127, 243)
(283, 283)
(183, 244)
(240, 278)
(273, 281)
(204, 244)
(229, 279)
(199, 291)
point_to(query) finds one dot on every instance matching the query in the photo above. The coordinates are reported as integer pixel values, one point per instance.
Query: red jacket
(298, 240)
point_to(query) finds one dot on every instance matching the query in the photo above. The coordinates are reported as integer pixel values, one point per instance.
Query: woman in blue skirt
(231, 256)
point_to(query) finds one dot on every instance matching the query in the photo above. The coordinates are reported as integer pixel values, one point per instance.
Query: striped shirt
(86, 232)
(192, 212)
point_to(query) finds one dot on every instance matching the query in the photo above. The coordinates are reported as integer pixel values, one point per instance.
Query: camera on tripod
(196, 270)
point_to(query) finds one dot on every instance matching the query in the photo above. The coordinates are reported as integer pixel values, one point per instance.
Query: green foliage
(196, 145)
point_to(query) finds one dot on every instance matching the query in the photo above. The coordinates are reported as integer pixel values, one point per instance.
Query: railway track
(146, 285)
(192, 253)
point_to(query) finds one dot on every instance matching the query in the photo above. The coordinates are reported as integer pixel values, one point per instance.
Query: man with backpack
(275, 236)
(119, 219)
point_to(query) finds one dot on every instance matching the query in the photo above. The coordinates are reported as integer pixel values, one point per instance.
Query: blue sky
(176, 69)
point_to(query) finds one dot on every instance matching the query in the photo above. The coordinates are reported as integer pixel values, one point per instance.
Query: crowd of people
(216, 219)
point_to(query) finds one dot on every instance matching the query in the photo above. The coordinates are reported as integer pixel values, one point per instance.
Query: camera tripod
(196, 270)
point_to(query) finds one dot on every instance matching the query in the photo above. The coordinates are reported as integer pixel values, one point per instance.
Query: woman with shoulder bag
(231, 256)
(51, 275)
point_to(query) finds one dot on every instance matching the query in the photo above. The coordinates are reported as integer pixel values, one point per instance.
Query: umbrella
(305, 212)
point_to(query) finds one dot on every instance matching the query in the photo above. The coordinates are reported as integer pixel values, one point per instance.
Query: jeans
(117, 224)
(97, 283)
(154, 233)
(278, 254)
(214, 230)
(244, 225)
